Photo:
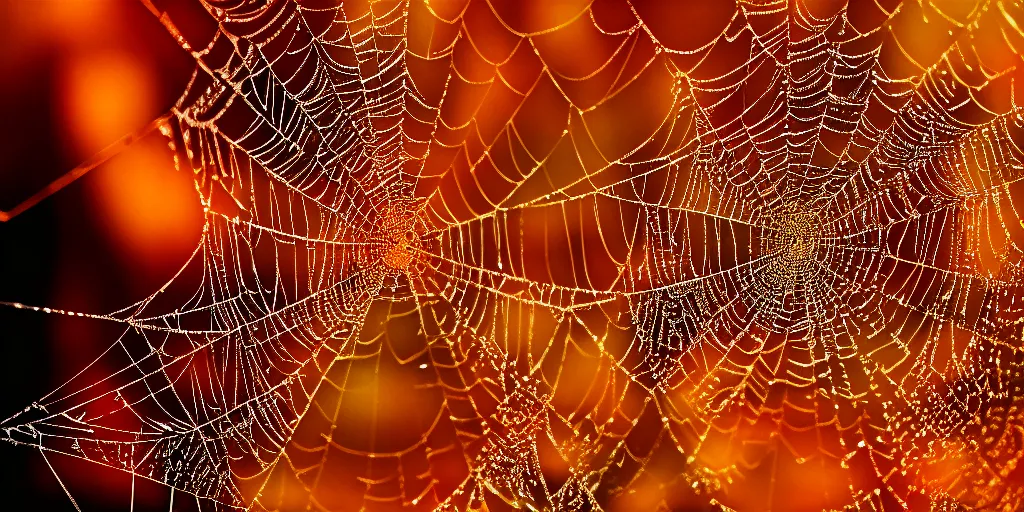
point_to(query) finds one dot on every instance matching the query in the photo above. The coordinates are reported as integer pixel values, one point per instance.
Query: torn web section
(277, 283)
(208, 391)
(287, 268)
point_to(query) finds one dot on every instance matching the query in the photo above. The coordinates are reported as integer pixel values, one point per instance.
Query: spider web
(472, 254)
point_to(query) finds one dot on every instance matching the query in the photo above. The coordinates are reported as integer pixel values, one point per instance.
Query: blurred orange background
(78, 75)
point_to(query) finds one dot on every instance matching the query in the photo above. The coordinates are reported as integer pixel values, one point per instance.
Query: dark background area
(68, 251)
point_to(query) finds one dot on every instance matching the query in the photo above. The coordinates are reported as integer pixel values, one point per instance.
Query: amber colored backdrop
(75, 76)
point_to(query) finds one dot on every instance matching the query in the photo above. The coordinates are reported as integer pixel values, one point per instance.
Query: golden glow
(572, 255)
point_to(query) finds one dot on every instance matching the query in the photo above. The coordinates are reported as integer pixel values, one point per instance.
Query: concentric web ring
(575, 255)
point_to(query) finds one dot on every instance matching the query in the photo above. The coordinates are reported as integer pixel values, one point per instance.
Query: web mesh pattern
(474, 254)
